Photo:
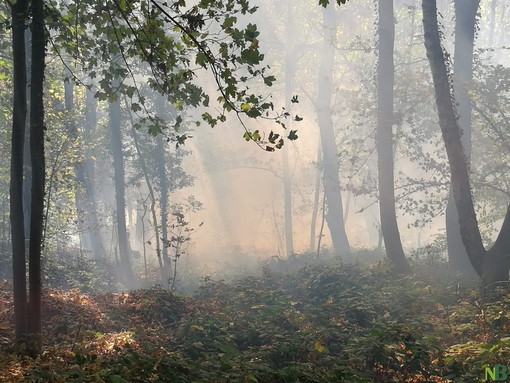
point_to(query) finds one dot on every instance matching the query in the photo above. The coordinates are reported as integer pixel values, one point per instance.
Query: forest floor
(327, 323)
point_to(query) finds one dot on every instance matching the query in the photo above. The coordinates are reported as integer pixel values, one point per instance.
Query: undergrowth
(320, 323)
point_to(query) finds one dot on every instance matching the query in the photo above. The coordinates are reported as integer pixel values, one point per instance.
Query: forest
(254, 191)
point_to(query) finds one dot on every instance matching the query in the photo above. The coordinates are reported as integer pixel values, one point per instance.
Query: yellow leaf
(319, 347)
(245, 106)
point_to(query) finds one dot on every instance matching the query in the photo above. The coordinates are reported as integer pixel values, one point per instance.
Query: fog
(242, 206)
(242, 187)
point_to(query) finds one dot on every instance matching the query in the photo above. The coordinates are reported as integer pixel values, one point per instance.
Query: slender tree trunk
(79, 172)
(334, 215)
(465, 19)
(89, 131)
(163, 201)
(19, 113)
(287, 181)
(38, 174)
(126, 272)
(160, 157)
(163, 266)
(384, 138)
(316, 197)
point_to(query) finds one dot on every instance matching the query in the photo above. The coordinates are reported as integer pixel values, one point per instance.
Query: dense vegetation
(327, 322)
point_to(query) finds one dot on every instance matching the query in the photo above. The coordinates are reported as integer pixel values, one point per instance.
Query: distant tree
(333, 195)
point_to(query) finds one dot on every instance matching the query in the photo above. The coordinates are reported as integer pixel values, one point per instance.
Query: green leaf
(229, 22)
(201, 59)
(269, 80)
(297, 118)
(292, 135)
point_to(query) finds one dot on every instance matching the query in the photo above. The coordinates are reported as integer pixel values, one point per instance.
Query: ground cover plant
(332, 322)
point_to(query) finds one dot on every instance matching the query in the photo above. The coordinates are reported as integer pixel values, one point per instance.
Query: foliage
(64, 271)
(324, 323)
(169, 45)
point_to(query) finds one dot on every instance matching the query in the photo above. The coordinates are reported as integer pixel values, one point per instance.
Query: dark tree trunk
(126, 273)
(465, 19)
(492, 266)
(38, 174)
(27, 167)
(497, 262)
(334, 215)
(384, 139)
(19, 113)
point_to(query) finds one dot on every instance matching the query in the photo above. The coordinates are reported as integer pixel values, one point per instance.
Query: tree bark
(19, 113)
(38, 174)
(465, 19)
(27, 167)
(384, 139)
(334, 215)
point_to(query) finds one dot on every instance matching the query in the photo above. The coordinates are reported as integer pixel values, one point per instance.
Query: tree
(174, 43)
(19, 19)
(334, 215)
(492, 265)
(38, 173)
(126, 271)
(384, 138)
(465, 18)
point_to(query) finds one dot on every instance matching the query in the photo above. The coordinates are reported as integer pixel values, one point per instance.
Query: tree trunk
(27, 167)
(79, 171)
(163, 200)
(89, 128)
(164, 187)
(163, 266)
(334, 215)
(384, 139)
(19, 113)
(38, 174)
(126, 272)
(492, 266)
(315, 209)
(465, 19)
(287, 181)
